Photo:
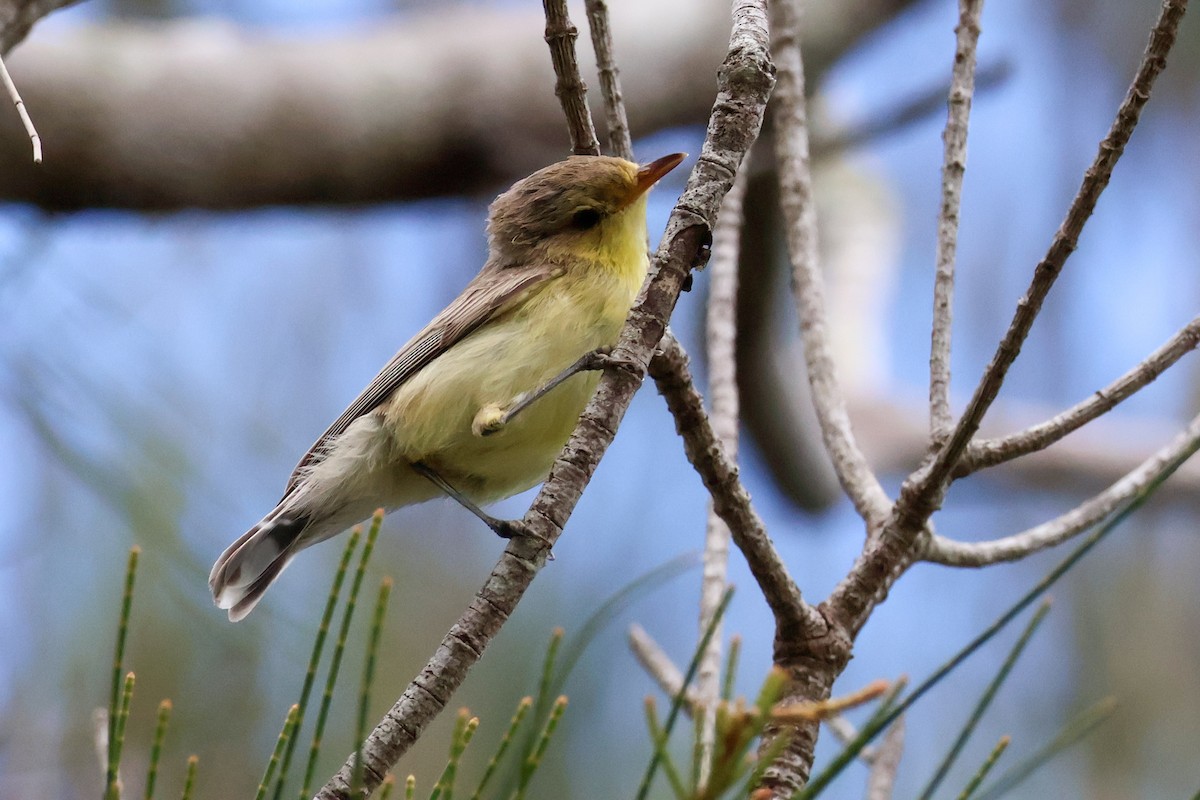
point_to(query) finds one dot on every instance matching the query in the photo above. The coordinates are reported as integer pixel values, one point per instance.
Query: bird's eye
(585, 219)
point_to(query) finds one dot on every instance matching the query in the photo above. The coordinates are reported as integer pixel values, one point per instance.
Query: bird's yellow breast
(430, 416)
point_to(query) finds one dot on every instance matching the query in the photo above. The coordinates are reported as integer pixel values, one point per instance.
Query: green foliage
(160, 732)
(339, 649)
(318, 647)
(121, 700)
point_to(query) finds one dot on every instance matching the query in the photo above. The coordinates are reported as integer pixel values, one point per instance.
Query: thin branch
(660, 667)
(619, 143)
(15, 96)
(1162, 38)
(795, 188)
(730, 499)
(941, 550)
(815, 711)
(954, 164)
(881, 780)
(989, 452)
(845, 732)
(721, 345)
(744, 83)
(569, 88)
(922, 493)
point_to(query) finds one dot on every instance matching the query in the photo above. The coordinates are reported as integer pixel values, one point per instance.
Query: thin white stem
(989, 452)
(941, 550)
(881, 780)
(11, 88)
(796, 198)
(845, 732)
(954, 164)
(659, 665)
(721, 344)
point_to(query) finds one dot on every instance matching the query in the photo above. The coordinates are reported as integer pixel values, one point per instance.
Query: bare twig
(660, 667)
(845, 732)
(795, 187)
(15, 96)
(744, 82)
(721, 335)
(731, 501)
(881, 780)
(570, 89)
(954, 164)
(941, 550)
(922, 493)
(619, 143)
(824, 709)
(1162, 38)
(989, 452)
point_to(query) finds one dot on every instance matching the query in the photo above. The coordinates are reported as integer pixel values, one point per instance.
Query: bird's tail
(255, 560)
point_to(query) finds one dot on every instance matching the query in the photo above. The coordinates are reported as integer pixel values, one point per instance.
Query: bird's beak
(649, 174)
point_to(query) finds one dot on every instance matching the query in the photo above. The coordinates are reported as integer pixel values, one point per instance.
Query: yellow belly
(430, 416)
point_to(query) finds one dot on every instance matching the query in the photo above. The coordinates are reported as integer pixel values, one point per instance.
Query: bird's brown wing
(492, 292)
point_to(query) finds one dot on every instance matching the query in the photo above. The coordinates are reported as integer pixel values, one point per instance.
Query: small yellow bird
(566, 259)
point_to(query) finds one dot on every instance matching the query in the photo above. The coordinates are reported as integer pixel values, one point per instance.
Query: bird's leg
(504, 528)
(493, 417)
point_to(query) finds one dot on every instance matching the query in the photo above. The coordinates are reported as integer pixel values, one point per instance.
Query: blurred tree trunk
(202, 113)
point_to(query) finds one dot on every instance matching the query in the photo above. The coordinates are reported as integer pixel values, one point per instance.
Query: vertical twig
(796, 197)
(954, 164)
(923, 491)
(1162, 38)
(721, 344)
(881, 780)
(21, 112)
(619, 142)
(569, 88)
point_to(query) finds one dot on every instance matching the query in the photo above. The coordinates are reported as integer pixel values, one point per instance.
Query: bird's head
(586, 208)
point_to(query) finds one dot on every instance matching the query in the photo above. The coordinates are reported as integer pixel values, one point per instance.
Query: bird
(479, 403)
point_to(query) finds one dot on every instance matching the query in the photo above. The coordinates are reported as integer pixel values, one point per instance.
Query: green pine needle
(338, 650)
(669, 768)
(1072, 732)
(114, 701)
(545, 684)
(660, 744)
(286, 734)
(985, 700)
(506, 740)
(364, 703)
(731, 663)
(160, 732)
(984, 768)
(464, 729)
(189, 780)
(117, 744)
(539, 751)
(314, 659)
